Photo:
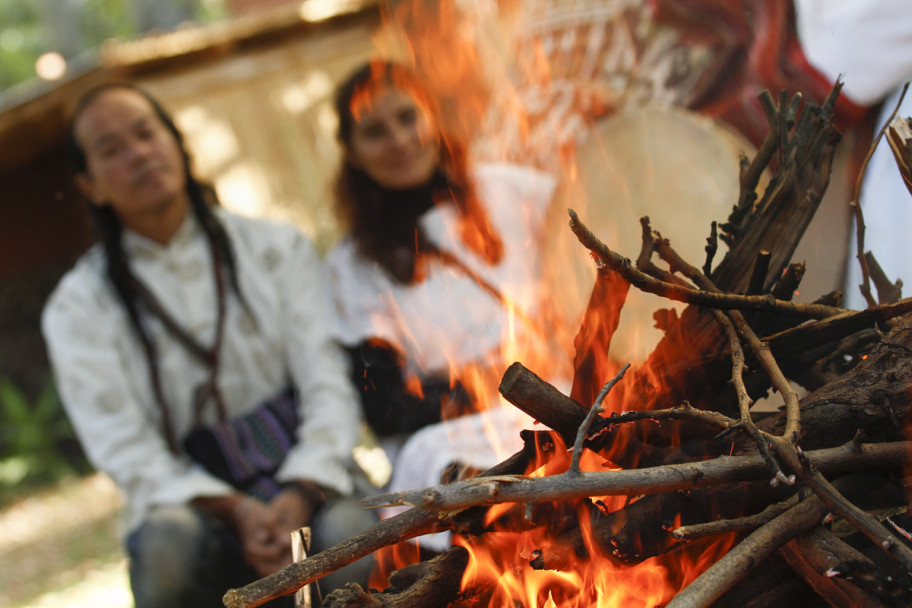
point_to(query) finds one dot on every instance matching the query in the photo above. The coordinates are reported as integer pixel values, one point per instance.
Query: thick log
(529, 393)
(813, 553)
(542, 401)
(872, 398)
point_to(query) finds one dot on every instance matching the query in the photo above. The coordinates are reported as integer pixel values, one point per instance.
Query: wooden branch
(762, 352)
(785, 288)
(847, 484)
(644, 282)
(544, 403)
(434, 582)
(752, 171)
(384, 533)
(839, 505)
(740, 524)
(899, 135)
(872, 397)
(667, 478)
(710, 585)
(795, 340)
(811, 554)
(785, 448)
(547, 405)
(855, 205)
(759, 349)
(594, 411)
(887, 292)
(787, 284)
(286, 581)
(685, 411)
(641, 529)
(712, 246)
(644, 260)
(758, 277)
(778, 220)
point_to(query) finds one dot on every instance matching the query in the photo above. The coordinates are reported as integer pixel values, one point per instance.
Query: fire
(501, 564)
(502, 568)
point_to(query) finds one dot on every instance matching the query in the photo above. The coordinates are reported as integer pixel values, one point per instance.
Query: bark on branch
(633, 482)
(722, 301)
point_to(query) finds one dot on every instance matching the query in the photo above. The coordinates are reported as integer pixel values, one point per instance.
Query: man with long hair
(191, 354)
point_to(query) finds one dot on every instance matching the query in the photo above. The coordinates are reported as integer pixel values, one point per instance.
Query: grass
(61, 547)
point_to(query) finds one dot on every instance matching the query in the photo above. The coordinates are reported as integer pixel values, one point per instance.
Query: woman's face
(393, 140)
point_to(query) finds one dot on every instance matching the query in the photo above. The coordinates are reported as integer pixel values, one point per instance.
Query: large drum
(679, 168)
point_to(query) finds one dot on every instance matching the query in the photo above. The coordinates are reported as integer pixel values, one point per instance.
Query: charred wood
(434, 582)
(872, 398)
(815, 552)
(771, 583)
(547, 405)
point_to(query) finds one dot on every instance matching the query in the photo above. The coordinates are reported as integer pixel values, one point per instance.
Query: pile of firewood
(813, 495)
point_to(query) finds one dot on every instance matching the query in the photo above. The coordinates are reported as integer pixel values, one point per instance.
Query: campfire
(656, 484)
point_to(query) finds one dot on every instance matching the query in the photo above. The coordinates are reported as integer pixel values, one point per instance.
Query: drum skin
(678, 168)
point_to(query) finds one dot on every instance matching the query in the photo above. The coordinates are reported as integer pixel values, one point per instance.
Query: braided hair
(109, 231)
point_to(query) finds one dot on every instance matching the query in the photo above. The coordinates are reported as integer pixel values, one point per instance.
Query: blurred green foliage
(21, 41)
(37, 444)
(102, 19)
(30, 29)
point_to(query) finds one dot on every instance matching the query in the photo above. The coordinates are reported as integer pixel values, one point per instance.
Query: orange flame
(501, 569)
(389, 559)
(469, 70)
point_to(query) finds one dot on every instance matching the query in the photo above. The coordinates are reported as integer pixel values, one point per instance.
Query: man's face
(133, 162)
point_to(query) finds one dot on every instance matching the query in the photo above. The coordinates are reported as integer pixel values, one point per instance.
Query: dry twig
(856, 206)
(734, 565)
(594, 411)
(680, 293)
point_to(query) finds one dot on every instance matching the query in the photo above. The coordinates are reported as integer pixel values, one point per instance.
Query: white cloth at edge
(869, 44)
(449, 318)
(103, 376)
(887, 209)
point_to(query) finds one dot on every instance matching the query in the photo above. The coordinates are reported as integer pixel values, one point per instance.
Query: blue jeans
(182, 557)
